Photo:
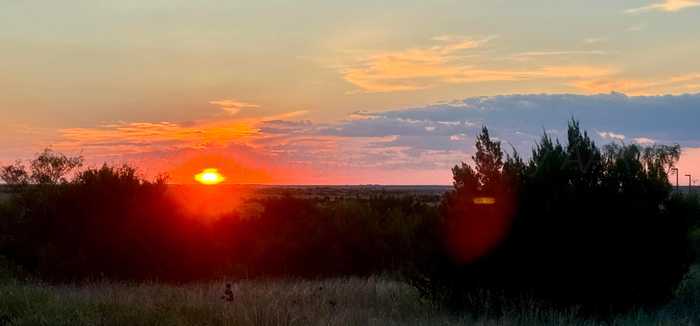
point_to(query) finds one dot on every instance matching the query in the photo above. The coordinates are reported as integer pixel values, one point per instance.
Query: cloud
(666, 6)
(233, 106)
(519, 121)
(644, 141)
(142, 137)
(447, 63)
(376, 147)
(287, 115)
(522, 118)
(453, 43)
(674, 84)
(361, 115)
(461, 61)
(560, 53)
(595, 40)
(611, 135)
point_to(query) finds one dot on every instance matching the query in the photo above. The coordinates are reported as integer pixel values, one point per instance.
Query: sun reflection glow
(209, 177)
(484, 200)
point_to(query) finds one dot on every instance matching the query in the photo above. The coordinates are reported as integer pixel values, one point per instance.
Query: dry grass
(372, 301)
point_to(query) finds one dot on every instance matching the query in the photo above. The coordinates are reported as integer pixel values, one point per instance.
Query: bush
(687, 206)
(574, 226)
(107, 222)
(310, 238)
(111, 223)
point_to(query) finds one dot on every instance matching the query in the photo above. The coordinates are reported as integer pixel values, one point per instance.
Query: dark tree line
(574, 225)
(111, 223)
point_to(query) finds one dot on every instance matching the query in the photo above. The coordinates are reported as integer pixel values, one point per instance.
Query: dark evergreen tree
(575, 226)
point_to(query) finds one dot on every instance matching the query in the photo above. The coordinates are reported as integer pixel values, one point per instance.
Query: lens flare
(209, 177)
(484, 201)
(478, 225)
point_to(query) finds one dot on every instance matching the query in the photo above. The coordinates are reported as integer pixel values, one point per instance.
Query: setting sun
(209, 177)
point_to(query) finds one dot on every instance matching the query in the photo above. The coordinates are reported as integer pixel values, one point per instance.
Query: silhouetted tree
(582, 227)
(15, 174)
(49, 167)
(110, 222)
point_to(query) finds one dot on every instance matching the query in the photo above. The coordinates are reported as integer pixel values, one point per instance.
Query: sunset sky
(331, 92)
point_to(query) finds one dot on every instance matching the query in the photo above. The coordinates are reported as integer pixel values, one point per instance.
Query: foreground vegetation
(585, 232)
(575, 224)
(344, 301)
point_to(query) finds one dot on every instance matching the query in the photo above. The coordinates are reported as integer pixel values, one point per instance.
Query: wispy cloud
(139, 137)
(644, 141)
(595, 40)
(410, 69)
(558, 53)
(611, 135)
(679, 84)
(666, 6)
(286, 115)
(233, 106)
(380, 146)
(447, 63)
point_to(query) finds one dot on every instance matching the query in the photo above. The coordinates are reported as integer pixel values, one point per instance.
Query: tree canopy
(575, 225)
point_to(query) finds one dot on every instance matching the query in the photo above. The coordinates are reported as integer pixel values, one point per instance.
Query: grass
(352, 301)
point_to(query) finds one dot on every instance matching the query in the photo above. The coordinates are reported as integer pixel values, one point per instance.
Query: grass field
(371, 301)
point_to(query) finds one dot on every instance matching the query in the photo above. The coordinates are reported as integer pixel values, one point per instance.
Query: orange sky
(339, 91)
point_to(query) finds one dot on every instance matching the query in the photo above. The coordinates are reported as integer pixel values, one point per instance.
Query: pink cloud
(666, 5)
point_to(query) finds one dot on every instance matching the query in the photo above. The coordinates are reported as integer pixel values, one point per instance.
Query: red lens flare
(478, 225)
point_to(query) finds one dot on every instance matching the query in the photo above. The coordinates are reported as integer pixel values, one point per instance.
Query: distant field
(354, 301)
(424, 193)
(685, 189)
(430, 193)
(333, 191)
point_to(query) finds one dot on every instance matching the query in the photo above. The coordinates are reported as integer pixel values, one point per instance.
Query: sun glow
(484, 200)
(209, 177)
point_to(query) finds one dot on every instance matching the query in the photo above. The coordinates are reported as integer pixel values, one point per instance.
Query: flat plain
(378, 300)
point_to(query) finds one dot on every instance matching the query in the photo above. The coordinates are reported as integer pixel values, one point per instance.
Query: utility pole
(675, 170)
(690, 183)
